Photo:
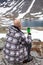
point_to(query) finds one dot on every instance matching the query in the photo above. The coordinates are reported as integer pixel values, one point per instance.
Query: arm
(26, 40)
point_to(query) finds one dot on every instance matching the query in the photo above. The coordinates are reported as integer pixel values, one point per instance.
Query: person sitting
(17, 45)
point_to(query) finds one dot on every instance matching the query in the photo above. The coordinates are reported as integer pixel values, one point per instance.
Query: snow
(3, 10)
(21, 15)
(41, 18)
(35, 34)
(14, 6)
(2, 35)
(37, 13)
(17, 5)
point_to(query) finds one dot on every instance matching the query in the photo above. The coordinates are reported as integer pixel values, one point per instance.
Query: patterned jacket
(14, 49)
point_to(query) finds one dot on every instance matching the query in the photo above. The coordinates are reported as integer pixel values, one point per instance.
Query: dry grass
(38, 47)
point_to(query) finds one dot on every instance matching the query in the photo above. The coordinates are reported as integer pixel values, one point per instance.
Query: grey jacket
(14, 49)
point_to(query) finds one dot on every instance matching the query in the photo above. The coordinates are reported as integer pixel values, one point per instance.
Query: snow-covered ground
(2, 35)
(34, 33)
(37, 34)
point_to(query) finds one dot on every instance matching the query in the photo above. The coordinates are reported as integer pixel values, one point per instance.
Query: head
(17, 23)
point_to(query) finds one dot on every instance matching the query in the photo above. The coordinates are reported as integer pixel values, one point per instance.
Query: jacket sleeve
(26, 40)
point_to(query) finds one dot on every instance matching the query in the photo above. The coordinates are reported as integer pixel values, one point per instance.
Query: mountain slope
(20, 6)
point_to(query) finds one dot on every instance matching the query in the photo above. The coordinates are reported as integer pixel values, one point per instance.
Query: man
(15, 49)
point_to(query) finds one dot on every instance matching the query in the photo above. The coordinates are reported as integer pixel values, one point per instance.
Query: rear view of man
(15, 49)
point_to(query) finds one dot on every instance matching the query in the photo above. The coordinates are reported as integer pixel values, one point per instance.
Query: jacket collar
(16, 28)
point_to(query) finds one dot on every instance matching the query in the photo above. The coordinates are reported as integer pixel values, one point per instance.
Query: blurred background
(29, 11)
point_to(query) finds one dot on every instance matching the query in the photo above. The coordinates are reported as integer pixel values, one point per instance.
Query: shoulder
(9, 27)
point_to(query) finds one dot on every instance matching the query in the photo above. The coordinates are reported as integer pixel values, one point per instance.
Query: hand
(28, 30)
